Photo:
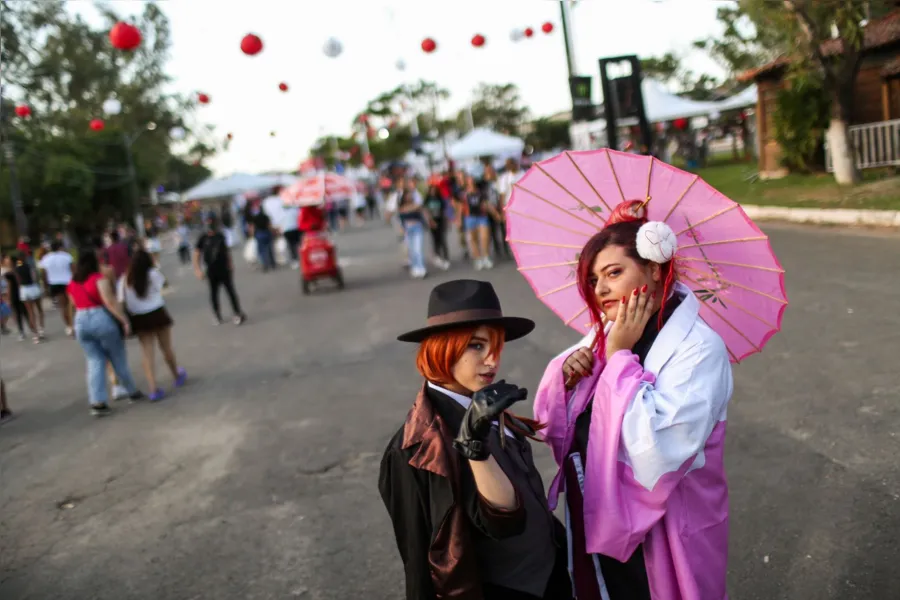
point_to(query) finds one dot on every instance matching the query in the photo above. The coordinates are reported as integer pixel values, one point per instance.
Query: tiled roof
(881, 32)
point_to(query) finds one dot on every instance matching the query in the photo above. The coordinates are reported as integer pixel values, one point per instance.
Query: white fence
(875, 145)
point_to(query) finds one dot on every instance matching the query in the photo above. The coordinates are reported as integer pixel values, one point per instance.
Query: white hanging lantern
(516, 35)
(112, 107)
(332, 48)
(177, 133)
(400, 64)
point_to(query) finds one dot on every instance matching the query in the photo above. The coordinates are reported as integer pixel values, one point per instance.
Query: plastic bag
(250, 252)
(282, 257)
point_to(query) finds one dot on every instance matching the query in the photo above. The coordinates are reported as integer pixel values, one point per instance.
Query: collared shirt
(464, 401)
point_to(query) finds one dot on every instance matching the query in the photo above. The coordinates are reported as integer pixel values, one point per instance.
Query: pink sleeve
(658, 427)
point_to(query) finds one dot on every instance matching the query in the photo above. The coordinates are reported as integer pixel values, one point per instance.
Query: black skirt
(151, 321)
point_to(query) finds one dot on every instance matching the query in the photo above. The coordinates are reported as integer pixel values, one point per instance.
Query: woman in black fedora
(458, 479)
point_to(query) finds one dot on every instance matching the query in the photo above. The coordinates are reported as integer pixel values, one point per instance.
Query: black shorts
(152, 321)
(58, 289)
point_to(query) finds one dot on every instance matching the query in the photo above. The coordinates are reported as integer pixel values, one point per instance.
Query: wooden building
(876, 98)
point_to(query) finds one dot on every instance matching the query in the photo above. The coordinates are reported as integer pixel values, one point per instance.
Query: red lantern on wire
(229, 137)
(680, 124)
(124, 36)
(429, 45)
(97, 124)
(251, 44)
(23, 110)
(528, 32)
(547, 27)
(283, 86)
(203, 98)
(478, 40)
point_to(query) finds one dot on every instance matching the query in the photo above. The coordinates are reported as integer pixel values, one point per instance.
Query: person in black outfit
(213, 250)
(458, 479)
(436, 206)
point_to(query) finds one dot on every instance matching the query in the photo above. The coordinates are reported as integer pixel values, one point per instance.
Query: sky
(325, 93)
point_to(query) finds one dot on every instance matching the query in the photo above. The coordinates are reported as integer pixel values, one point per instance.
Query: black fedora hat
(467, 302)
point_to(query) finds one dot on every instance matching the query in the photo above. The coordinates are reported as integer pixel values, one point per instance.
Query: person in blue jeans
(412, 218)
(100, 327)
(262, 232)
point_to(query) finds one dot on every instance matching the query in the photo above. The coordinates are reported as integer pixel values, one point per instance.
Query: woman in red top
(97, 329)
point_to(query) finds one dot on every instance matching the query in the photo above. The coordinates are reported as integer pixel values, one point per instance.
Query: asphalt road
(257, 480)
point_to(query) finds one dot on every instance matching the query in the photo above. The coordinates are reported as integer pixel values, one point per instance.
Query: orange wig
(439, 352)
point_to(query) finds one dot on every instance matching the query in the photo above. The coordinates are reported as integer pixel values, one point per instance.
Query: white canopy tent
(484, 142)
(662, 105)
(740, 100)
(237, 183)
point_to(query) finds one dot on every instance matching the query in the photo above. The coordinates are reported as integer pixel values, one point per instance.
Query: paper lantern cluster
(479, 40)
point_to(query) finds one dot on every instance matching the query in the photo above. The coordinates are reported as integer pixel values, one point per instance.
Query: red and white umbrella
(318, 189)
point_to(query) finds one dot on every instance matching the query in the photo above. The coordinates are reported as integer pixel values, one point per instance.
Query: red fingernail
(636, 291)
(653, 295)
(644, 289)
(623, 299)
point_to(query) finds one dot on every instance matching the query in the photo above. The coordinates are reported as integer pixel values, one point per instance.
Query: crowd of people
(105, 291)
(473, 204)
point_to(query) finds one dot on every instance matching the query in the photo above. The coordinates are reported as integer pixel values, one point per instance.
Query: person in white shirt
(140, 290)
(56, 268)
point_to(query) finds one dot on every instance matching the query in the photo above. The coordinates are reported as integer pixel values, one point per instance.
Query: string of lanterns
(127, 37)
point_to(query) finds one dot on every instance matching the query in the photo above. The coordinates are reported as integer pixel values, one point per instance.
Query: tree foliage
(64, 69)
(800, 122)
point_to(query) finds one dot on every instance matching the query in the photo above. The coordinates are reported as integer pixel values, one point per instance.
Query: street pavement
(258, 479)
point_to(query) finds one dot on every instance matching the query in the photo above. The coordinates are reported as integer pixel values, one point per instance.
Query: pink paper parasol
(722, 255)
(318, 189)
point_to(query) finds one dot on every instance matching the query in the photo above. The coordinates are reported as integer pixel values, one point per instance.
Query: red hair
(439, 353)
(620, 230)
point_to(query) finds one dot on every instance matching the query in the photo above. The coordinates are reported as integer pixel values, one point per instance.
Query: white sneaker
(119, 392)
(479, 264)
(418, 273)
(69, 331)
(488, 264)
(295, 266)
(445, 265)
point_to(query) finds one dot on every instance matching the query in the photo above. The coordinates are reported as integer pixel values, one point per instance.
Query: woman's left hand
(634, 313)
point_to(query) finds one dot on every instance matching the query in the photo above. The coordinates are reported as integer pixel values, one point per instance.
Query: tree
(828, 38)
(741, 45)
(668, 69)
(65, 70)
(496, 106)
(547, 134)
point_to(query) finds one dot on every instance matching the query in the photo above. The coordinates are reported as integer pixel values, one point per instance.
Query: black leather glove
(487, 405)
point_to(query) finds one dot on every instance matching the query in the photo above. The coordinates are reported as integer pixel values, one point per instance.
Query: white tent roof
(662, 105)
(742, 100)
(484, 142)
(236, 184)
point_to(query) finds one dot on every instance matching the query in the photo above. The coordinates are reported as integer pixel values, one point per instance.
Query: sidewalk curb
(829, 216)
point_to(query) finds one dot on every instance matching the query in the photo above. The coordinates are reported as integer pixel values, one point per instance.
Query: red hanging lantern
(229, 137)
(478, 40)
(429, 45)
(124, 36)
(97, 124)
(283, 86)
(251, 44)
(680, 124)
(547, 27)
(363, 118)
(23, 110)
(203, 98)
(529, 32)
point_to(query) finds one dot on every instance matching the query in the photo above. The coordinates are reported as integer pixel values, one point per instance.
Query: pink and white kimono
(654, 470)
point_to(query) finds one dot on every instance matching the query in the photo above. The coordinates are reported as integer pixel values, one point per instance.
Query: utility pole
(14, 191)
(566, 18)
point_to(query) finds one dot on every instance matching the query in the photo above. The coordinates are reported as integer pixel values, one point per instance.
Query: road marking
(36, 370)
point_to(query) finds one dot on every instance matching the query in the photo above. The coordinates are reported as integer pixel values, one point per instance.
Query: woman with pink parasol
(636, 411)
